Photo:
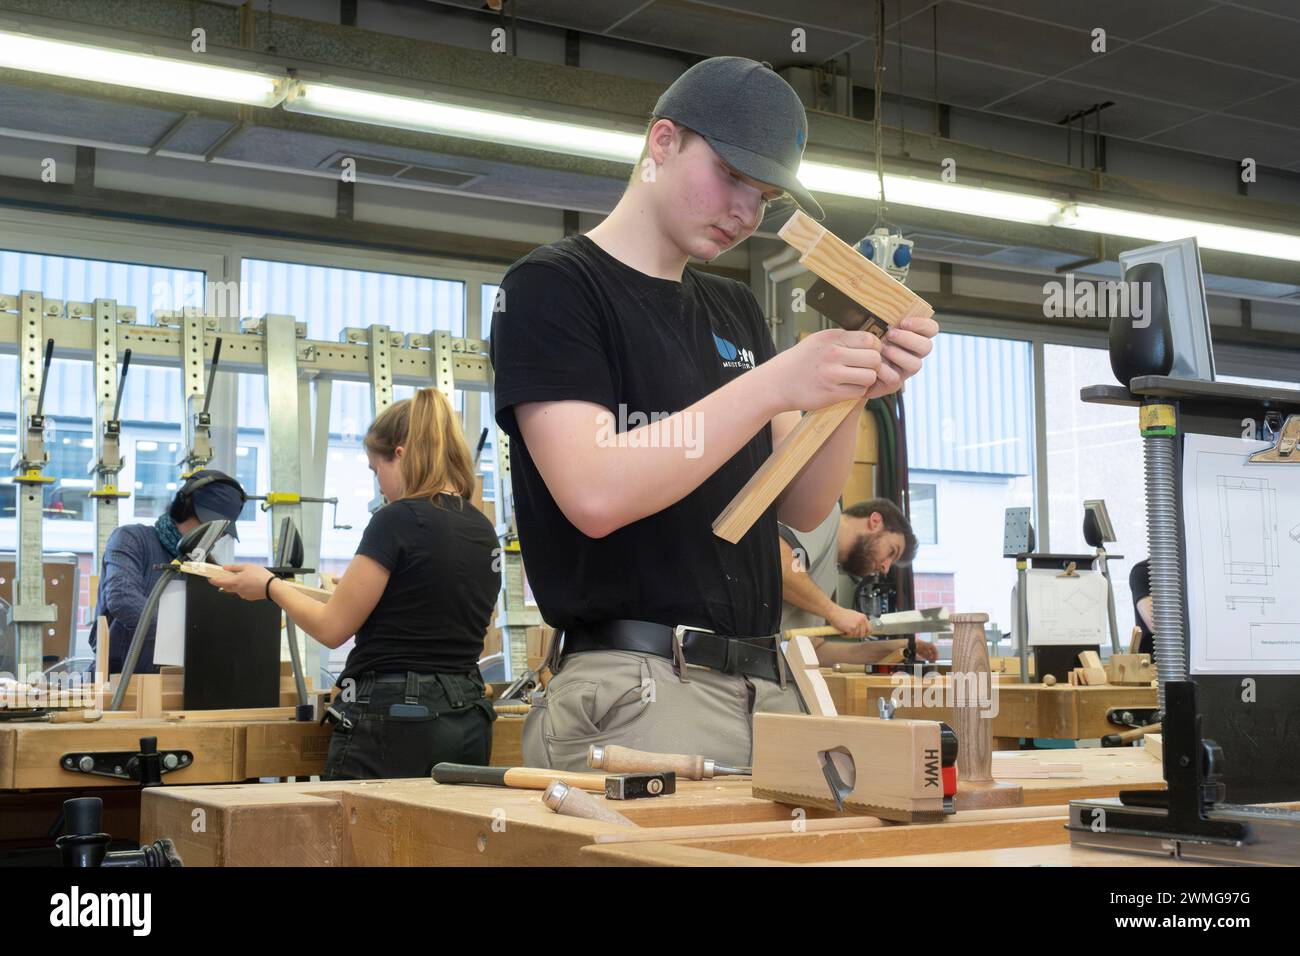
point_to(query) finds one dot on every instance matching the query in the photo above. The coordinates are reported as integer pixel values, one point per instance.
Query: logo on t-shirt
(733, 357)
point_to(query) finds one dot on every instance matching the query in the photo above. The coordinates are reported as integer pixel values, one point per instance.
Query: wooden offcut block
(1134, 669)
(895, 764)
(885, 298)
(208, 570)
(1092, 674)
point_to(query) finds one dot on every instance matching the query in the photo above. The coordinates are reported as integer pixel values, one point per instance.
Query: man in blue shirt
(135, 554)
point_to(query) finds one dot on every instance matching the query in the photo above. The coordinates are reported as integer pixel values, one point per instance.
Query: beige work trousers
(637, 700)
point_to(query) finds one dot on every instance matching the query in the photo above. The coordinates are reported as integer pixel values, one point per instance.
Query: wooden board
(208, 570)
(895, 763)
(834, 260)
(1054, 854)
(414, 822)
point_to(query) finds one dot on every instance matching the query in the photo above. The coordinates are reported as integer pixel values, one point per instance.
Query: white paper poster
(169, 635)
(1067, 610)
(1243, 558)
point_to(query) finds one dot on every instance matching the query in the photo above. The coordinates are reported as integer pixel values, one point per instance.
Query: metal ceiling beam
(252, 220)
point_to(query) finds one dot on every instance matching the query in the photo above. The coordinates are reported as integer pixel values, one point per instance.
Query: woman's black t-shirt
(442, 557)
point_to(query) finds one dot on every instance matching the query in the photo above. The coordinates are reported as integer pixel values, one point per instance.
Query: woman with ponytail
(418, 596)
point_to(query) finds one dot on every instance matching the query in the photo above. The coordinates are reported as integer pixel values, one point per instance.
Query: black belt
(751, 656)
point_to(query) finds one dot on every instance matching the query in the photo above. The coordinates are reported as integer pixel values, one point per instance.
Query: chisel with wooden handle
(1128, 736)
(571, 802)
(618, 759)
(520, 778)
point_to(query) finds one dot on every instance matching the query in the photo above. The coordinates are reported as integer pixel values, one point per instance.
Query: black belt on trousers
(731, 655)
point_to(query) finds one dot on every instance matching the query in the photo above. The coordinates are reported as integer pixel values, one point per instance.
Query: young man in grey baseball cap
(640, 395)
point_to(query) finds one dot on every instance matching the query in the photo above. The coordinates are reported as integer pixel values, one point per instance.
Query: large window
(150, 402)
(157, 476)
(329, 299)
(970, 447)
(1093, 451)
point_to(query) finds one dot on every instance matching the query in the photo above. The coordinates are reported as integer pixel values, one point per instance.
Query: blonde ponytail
(436, 455)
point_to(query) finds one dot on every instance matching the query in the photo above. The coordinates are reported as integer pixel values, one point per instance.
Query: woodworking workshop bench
(34, 783)
(1060, 712)
(416, 822)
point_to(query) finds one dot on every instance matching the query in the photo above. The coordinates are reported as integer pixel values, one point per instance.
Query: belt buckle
(679, 655)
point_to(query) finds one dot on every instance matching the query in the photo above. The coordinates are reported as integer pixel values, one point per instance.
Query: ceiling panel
(1248, 39)
(1172, 77)
(1230, 136)
(82, 117)
(1130, 117)
(715, 31)
(1125, 19)
(991, 37)
(1281, 106)
(1285, 8)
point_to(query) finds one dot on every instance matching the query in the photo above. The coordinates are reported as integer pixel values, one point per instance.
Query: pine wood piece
(834, 260)
(1154, 744)
(805, 670)
(1134, 669)
(1033, 765)
(895, 769)
(208, 570)
(234, 713)
(1093, 674)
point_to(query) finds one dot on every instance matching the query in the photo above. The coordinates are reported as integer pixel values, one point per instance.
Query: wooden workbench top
(417, 822)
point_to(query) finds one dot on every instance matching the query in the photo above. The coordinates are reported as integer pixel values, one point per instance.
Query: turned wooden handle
(970, 655)
(616, 759)
(571, 802)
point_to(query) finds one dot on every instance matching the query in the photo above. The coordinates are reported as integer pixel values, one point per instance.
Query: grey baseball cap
(750, 116)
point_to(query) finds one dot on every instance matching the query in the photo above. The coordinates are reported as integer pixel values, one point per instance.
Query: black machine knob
(83, 845)
(1149, 349)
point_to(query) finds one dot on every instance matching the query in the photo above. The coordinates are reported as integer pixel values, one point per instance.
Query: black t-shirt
(578, 325)
(1139, 582)
(443, 583)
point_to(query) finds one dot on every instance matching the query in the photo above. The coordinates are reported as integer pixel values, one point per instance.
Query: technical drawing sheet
(1243, 561)
(1067, 610)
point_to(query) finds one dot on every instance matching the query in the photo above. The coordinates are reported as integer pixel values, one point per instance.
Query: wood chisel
(521, 778)
(618, 759)
(573, 802)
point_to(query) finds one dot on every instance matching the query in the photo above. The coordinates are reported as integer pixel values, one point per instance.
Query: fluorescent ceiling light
(1209, 235)
(970, 200)
(494, 126)
(1039, 210)
(143, 71)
